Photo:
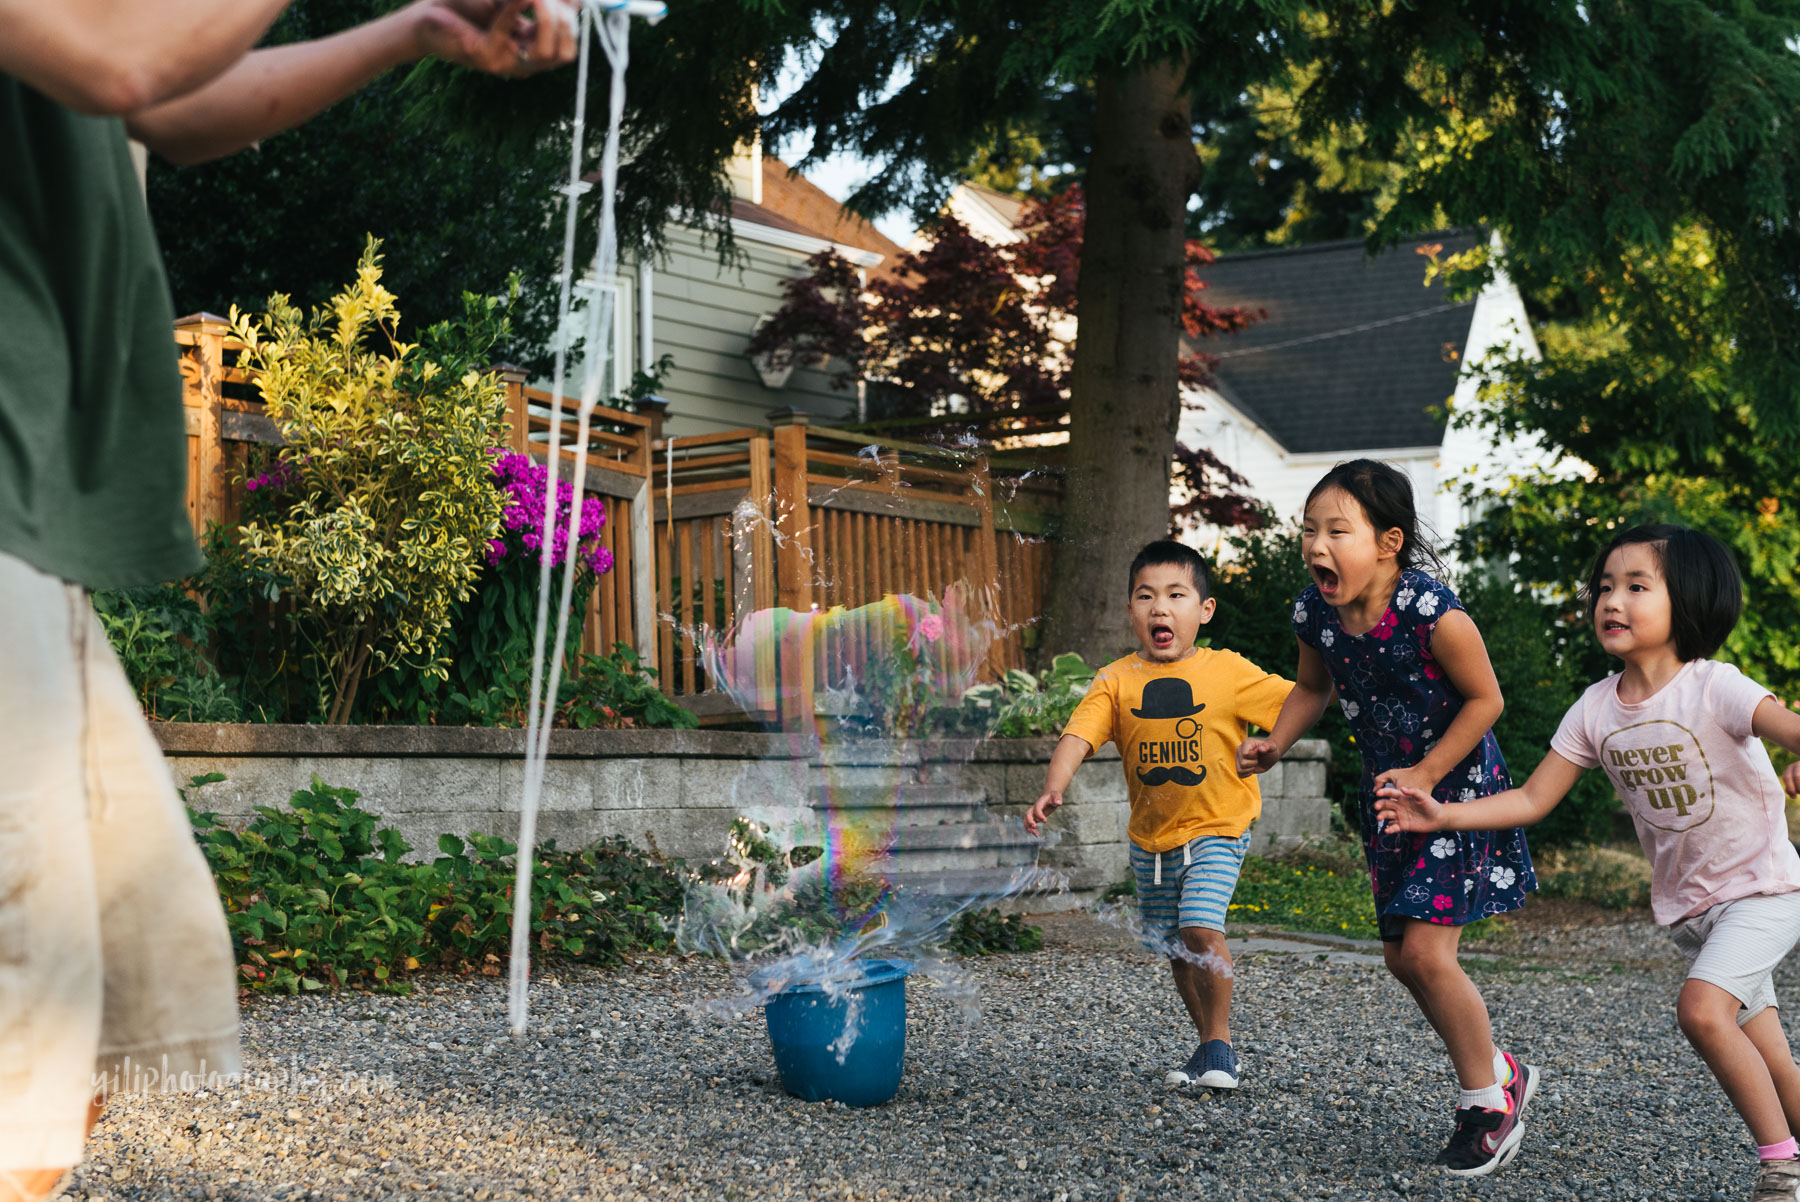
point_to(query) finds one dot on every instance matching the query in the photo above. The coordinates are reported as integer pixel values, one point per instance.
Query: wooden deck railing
(702, 529)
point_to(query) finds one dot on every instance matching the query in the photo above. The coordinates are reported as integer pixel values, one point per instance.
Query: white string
(613, 31)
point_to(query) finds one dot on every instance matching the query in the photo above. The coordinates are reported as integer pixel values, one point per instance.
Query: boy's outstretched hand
(1408, 809)
(1039, 813)
(1256, 755)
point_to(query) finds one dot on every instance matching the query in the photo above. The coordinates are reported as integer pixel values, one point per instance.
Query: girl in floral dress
(1409, 668)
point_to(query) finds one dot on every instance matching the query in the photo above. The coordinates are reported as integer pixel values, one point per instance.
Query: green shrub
(159, 635)
(1306, 895)
(989, 932)
(1023, 706)
(620, 689)
(1609, 877)
(1543, 659)
(389, 506)
(317, 896)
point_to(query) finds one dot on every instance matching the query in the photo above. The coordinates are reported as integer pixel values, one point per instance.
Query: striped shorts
(1186, 886)
(1737, 944)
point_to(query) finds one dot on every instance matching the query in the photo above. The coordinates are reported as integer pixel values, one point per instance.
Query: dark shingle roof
(1310, 374)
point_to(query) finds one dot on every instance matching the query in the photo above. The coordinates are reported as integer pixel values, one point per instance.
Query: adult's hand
(501, 37)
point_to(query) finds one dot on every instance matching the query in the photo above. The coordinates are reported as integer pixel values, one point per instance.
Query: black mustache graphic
(1162, 776)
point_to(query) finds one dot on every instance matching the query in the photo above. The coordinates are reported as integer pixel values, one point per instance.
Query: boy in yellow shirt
(1178, 713)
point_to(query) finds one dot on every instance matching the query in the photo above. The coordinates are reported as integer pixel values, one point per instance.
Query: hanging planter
(847, 1046)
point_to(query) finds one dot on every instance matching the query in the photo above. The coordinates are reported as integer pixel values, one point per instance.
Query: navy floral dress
(1399, 703)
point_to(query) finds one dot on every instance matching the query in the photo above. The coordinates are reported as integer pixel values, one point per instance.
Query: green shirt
(93, 442)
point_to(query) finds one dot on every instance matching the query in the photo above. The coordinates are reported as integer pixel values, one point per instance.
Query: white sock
(1491, 1098)
(1501, 1070)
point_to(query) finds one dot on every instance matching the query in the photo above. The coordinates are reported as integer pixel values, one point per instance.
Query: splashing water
(891, 845)
(1126, 917)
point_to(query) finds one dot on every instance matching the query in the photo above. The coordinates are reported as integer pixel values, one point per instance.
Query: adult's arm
(277, 88)
(113, 57)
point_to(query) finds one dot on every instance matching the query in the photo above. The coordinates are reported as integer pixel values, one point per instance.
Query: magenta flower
(523, 481)
(931, 627)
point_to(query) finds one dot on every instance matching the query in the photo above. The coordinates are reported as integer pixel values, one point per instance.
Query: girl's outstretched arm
(1775, 722)
(1457, 647)
(1412, 809)
(1312, 693)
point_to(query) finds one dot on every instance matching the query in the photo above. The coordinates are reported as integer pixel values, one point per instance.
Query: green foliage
(1024, 706)
(611, 691)
(989, 932)
(317, 896)
(159, 635)
(1328, 893)
(291, 215)
(1612, 878)
(394, 504)
(1543, 659)
(488, 657)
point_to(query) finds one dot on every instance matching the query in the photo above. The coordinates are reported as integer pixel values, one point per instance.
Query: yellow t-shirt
(1178, 727)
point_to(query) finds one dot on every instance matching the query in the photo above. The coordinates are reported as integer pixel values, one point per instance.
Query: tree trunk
(1125, 400)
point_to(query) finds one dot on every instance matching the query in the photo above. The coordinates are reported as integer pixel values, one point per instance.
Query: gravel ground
(621, 1091)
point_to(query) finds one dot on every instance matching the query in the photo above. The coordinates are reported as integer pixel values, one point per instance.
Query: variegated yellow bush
(391, 450)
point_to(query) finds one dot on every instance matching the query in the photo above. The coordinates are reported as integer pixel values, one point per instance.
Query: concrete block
(1109, 862)
(249, 782)
(1304, 778)
(1310, 749)
(1091, 822)
(567, 785)
(985, 780)
(1095, 783)
(634, 784)
(1273, 783)
(691, 834)
(742, 784)
(398, 786)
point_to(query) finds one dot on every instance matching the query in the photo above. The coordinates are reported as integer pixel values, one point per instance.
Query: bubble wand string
(612, 29)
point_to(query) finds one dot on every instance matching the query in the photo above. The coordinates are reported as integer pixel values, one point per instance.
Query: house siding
(703, 314)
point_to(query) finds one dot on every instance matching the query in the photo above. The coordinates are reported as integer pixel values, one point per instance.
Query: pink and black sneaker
(1484, 1140)
(1523, 1085)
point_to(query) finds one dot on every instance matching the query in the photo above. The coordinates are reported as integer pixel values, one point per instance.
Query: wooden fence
(806, 517)
(703, 528)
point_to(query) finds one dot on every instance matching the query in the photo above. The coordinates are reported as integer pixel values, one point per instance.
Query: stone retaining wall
(677, 791)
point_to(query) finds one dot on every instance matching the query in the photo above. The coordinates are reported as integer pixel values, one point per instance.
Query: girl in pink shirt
(1679, 735)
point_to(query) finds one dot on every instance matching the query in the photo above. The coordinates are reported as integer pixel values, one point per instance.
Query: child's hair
(1706, 594)
(1168, 551)
(1386, 497)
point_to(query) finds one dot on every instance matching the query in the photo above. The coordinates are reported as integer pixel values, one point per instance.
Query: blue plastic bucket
(805, 1021)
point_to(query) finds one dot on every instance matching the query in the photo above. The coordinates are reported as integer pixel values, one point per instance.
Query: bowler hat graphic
(1168, 697)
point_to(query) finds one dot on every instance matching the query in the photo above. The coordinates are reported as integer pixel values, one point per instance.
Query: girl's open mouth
(1328, 580)
(1162, 637)
(1610, 627)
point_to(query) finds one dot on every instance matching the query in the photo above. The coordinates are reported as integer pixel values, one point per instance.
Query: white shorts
(1737, 944)
(116, 968)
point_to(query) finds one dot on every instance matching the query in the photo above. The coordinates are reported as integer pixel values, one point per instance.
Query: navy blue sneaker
(1214, 1065)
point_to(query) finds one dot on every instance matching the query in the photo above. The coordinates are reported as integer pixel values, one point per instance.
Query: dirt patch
(1080, 930)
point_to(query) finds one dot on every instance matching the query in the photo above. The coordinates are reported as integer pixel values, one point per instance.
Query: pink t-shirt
(1700, 788)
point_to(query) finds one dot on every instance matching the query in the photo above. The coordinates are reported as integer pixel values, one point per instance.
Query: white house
(1357, 356)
